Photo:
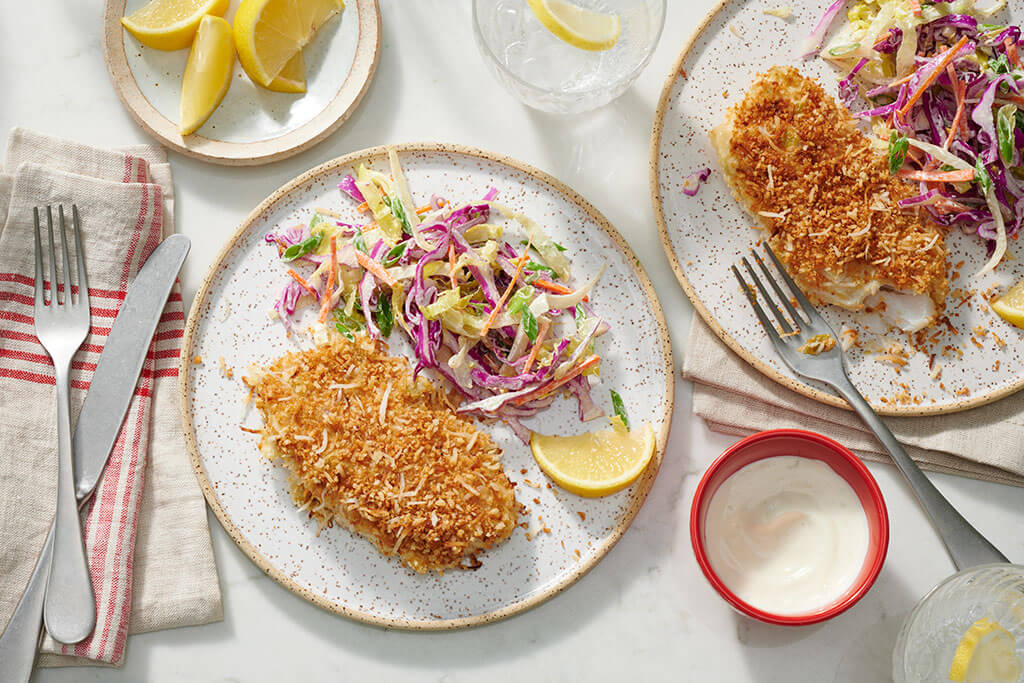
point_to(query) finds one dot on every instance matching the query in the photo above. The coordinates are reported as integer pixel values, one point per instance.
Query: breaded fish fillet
(368, 447)
(793, 156)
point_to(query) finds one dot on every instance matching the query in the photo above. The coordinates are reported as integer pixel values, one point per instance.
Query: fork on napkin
(147, 518)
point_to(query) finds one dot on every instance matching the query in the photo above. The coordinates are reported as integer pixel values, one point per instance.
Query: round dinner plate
(252, 125)
(229, 328)
(981, 361)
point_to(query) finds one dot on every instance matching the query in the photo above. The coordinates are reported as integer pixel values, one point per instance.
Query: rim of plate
(712, 322)
(335, 113)
(645, 482)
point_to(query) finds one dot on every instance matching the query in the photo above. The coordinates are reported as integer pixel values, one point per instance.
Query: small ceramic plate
(339, 570)
(252, 125)
(704, 235)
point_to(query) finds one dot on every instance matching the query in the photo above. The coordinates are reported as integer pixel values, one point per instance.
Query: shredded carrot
(915, 7)
(302, 283)
(332, 274)
(541, 334)
(548, 388)
(1011, 51)
(947, 57)
(427, 208)
(451, 264)
(961, 91)
(363, 208)
(555, 288)
(1015, 99)
(957, 176)
(504, 297)
(376, 269)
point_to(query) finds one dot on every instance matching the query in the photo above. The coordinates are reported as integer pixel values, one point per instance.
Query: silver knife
(106, 403)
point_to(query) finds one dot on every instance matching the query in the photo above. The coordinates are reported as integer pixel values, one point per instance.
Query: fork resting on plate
(809, 346)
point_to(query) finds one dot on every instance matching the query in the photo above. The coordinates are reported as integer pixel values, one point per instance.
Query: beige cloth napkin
(154, 505)
(732, 397)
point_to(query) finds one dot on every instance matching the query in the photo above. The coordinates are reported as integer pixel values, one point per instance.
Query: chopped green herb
(1000, 65)
(311, 243)
(1006, 120)
(529, 324)
(520, 299)
(981, 175)
(385, 318)
(347, 326)
(533, 265)
(898, 146)
(843, 49)
(619, 407)
(557, 246)
(359, 242)
(581, 316)
(396, 208)
(396, 253)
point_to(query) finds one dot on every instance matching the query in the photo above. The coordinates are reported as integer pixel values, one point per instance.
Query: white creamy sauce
(786, 534)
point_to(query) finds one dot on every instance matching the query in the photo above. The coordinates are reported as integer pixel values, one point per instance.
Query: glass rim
(631, 76)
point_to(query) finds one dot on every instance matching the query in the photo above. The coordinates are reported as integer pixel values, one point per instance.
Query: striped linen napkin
(147, 518)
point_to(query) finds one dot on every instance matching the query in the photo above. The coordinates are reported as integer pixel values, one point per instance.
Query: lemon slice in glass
(269, 33)
(1010, 306)
(581, 28)
(987, 653)
(207, 73)
(170, 24)
(596, 463)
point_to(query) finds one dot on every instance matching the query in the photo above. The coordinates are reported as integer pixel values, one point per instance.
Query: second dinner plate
(977, 359)
(229, 329)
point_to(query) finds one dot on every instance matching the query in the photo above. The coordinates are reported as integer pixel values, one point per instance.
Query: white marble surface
(646, 612)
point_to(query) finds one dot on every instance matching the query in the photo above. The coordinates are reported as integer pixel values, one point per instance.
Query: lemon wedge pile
(1010, 306)
(986, 654)
(581, 28)
(269, 36)
(596, 463)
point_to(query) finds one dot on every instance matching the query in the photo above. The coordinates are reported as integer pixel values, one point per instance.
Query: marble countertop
(645, 612)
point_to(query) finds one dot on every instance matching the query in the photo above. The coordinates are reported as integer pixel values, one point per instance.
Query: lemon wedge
(292, 77)
(1010, 306)
(269, 33)
(596, 463)
(582, 28)
(170, 24)
(207, 73)
(986, 654)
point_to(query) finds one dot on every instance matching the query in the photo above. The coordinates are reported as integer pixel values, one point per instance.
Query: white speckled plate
(339, 570)
(252, 125)
(704, 235)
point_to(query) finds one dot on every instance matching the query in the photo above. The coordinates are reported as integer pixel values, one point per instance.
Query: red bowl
(806, 445)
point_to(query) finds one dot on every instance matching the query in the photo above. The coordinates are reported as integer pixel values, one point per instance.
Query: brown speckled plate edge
(283, 146)
(788, 382)
(640, 489)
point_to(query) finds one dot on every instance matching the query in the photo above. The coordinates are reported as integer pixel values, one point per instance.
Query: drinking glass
(548, 73)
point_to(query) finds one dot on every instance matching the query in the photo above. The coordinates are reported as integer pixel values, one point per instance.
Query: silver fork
(965, 544)
(62, 324)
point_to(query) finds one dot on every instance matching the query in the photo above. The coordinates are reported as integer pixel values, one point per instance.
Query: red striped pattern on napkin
(111, 516)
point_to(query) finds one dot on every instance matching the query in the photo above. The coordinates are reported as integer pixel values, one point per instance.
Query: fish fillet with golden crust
(795, 159)
(368, 447)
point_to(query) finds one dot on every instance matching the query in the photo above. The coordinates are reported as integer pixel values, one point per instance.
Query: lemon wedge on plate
(207, 73)
(292, 77)
(170, 24)
(596, 463)
(582, 28)
(270, 33)
(1010, 306)
(986, 654)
